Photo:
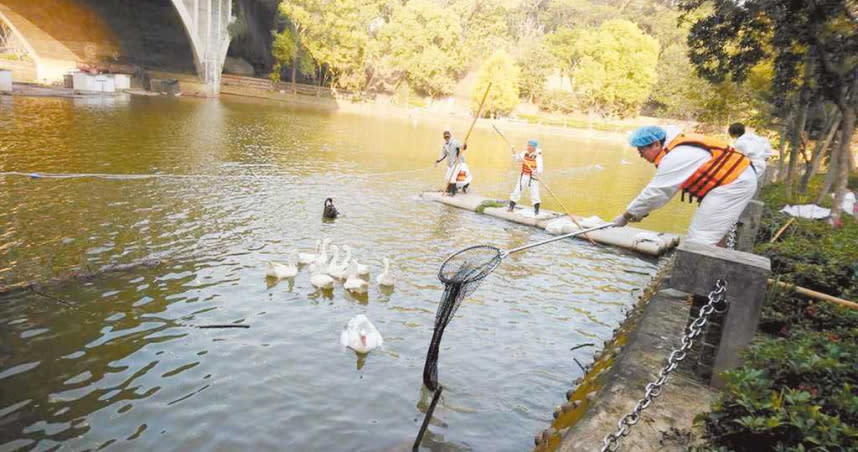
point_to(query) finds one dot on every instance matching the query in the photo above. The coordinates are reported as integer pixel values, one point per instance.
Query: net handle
(504, 254)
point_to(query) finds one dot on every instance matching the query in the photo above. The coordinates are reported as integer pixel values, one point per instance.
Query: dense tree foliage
(616, 68)
(423, 42)
(813, 46)
(500, 69)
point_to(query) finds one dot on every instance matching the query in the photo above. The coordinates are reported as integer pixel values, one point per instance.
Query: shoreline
(618, 374)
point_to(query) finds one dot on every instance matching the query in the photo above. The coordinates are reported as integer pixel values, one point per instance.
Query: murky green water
(110, 361)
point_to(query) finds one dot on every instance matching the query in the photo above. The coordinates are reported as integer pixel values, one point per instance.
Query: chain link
(731, 237)
(717, 298)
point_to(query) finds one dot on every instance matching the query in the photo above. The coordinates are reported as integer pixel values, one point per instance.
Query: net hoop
(481, 259)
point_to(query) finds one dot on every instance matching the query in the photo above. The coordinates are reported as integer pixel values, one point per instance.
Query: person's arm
(441, 156)
(539, 165)
(675, 168)
(518, 156)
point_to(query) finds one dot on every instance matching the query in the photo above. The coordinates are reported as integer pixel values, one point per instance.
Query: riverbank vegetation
(797, 388)
(785, 68)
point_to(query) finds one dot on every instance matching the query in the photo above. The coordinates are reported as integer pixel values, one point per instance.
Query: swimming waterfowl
(322, 258)
(353, 283)
(337, 269)
(386, 278)
(361, 268)
(320, 280)
(330, 212)
(361, 335)
(280, 270)
(309, 258)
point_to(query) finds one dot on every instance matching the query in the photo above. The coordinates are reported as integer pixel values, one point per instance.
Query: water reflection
(228, 186)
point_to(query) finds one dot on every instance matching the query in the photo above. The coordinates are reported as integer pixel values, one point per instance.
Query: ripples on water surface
(111, 361)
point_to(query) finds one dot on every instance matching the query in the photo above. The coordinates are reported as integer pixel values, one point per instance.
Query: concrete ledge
(696, 270)
(652, 336)
(697, 267)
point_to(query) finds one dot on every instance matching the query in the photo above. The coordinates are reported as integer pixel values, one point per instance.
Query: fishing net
(461, 274)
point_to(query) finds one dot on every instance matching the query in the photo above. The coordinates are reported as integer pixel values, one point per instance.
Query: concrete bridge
(60, 35)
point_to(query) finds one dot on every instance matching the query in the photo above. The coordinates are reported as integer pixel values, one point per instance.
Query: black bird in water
(330, 211)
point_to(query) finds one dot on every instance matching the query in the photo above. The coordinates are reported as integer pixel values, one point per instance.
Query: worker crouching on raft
(453, 151)
(707, 170)
(531, 170)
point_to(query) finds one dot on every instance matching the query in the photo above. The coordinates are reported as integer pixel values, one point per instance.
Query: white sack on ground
(811, 211)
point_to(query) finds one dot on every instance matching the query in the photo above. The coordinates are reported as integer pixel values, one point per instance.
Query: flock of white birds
(326, 269)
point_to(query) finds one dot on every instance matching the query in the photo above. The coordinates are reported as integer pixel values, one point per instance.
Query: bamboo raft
(633, 239)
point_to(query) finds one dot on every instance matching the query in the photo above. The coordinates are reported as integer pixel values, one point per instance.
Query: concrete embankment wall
(616, 379)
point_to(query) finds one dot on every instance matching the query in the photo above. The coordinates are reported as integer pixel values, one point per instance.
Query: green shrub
(791, 394)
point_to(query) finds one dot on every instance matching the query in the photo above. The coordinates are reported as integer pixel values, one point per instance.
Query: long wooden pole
(565, 209)
(468, 135)
(815, 295)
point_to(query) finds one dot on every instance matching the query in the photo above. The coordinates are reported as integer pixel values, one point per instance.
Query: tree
(287, 52)
(813, 44)
(423, 41)
(563, 47)
(575, 13)
(501, 71)
(335, 34)
(485, 26)
(616, 67)
(535, 62)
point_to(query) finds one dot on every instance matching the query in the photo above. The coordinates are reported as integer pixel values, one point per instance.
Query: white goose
(361, 268)
(319, 279)
(322, 258)
(353, 283)
(309, 258)
(386, 278)
(361, 335)
(281, 270)
(337, 269)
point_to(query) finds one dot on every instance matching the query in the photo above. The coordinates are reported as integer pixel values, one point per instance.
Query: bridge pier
(206, 23)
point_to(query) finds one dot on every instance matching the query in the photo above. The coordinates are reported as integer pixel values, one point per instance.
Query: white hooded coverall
(757, 148)
(720, 208)
(524, 180)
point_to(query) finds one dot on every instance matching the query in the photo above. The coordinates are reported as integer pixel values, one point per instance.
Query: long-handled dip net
(461, 274)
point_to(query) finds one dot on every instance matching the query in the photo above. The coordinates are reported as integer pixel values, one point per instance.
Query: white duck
(309, 258)
(322, 258)
(353, 283)
(386, 278)
(337, 269)
(319, 279)
(361, 268)
(361, 335)
(281, 270)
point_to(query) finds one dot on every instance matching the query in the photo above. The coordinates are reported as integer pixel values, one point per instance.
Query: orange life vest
(528, 165)
(724, 167)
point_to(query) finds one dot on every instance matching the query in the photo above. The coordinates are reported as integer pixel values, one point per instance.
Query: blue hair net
(533, 143)
(646, 136)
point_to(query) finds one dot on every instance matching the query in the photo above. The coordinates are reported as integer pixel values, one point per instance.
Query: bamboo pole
(815, 295)
(781, 230)
(455, 171)
(569, 214)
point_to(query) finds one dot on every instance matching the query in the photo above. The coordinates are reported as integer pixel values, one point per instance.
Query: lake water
(216, 188)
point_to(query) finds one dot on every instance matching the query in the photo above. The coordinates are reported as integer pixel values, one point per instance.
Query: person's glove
(620, 221)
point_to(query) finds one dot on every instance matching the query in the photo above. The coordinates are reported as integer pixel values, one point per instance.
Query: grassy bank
(798, 388)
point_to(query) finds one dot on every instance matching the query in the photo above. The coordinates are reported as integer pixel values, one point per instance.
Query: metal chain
(716, 296)
(731, 237)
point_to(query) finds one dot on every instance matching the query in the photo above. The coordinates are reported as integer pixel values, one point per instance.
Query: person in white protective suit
(450, 150)
(757, 148)
(705, 169)
(531, 170)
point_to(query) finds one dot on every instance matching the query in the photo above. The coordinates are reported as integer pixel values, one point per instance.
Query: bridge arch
(59, 35)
